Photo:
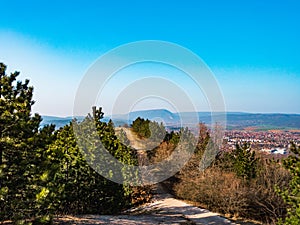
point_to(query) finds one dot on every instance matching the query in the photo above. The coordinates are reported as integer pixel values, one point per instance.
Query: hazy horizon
(241, 112)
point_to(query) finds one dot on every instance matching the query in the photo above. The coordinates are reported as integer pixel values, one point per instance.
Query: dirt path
(164, 209)
(135, 142)
(167, 208)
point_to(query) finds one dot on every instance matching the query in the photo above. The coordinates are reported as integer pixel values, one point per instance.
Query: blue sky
(252, 47)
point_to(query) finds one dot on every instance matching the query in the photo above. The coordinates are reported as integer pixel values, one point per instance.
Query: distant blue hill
(57, 121)
(156, 114)
(235, 120)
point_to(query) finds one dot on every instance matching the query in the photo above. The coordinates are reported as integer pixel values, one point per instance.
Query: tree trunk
(1, 154)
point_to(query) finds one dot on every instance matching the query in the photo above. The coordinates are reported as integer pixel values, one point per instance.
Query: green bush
(291, 194)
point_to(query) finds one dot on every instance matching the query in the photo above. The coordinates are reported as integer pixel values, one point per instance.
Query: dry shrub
(141, 195)
(161, 152)
(266, 205)
(222, 191)
(215, 190)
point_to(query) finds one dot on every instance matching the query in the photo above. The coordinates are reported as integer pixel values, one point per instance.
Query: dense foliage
(291, 195)
(42, 171)
(22, 143)
(244, 161)
(141, 127)
(149, 129)
(81, 189)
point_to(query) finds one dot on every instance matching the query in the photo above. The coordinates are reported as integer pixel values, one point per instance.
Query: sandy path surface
(164, 209)
(135, 142)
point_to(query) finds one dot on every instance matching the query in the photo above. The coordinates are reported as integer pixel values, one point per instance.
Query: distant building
(281, 151)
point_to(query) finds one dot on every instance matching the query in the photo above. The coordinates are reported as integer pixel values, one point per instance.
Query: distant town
(269, 142)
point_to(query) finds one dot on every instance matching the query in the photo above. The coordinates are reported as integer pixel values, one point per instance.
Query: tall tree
(141, 127)
(244, 161)
(77, 187)
(76, 167)
(22, 143)
(291, 195)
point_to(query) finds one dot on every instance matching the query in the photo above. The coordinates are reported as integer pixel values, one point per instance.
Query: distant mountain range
(235, 120)
(57, 121)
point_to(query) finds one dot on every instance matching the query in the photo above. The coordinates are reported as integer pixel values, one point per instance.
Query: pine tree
(22, 142)
(244, 161)
(141, 127)
(292, 195)
(79, 188)
(123, 138)
(158, 131)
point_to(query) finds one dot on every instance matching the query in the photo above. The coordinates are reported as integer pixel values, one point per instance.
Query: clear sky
(252, 47)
